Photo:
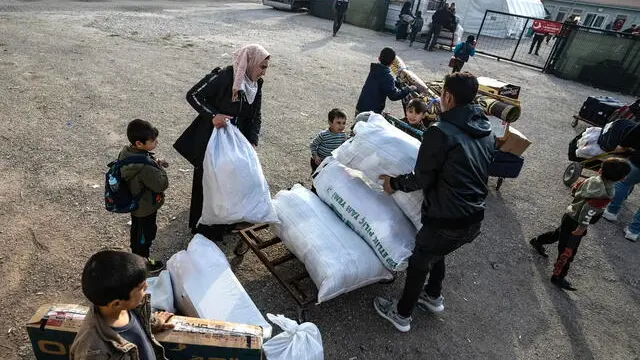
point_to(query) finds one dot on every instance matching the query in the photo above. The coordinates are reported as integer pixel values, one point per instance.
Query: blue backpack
(117, 196)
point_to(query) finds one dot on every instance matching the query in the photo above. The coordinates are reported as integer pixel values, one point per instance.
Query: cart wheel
(574, 122)
(241, 248)
(572, 173)
(499, 184)
(302, 315)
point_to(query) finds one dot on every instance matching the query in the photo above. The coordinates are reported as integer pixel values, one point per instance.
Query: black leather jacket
(452, 168)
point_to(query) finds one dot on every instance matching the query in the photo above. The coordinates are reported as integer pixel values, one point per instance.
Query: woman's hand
(220, 120)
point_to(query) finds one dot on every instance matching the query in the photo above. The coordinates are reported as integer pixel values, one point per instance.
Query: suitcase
(598, 109)
(506, 165)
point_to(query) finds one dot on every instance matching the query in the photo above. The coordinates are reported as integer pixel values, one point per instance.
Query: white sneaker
(629, 235)
(609, 216)
(426, 302)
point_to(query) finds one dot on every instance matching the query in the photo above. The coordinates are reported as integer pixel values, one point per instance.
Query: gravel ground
(73, 73)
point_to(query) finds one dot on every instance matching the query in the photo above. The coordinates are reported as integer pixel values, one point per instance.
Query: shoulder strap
(136, 159)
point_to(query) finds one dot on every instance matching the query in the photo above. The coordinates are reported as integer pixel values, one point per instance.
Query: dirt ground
(73, 73)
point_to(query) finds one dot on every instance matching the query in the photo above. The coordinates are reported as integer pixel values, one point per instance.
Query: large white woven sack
(364, 207)
(337, 259)
(379, 148)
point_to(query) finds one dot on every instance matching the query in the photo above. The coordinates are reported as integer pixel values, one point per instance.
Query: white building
(602, 14)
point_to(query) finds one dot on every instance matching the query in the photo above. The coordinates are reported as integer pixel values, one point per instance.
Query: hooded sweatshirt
(147, 180)
(452, 168)
(590, 198)
(379, 86)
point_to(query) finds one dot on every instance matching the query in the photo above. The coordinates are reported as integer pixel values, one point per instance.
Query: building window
(562, 14)
(618, 23)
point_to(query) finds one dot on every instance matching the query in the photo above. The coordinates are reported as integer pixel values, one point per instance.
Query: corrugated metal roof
(634, 4)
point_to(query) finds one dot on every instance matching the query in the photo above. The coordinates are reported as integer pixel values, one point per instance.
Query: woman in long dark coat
(234, 93)
(403, 23)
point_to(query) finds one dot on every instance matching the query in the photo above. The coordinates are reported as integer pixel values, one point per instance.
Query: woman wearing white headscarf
(233, 93)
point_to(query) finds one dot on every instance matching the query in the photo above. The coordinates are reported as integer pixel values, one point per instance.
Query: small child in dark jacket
(147, 182)
(380, 85)
(416, 27)
(591, 197)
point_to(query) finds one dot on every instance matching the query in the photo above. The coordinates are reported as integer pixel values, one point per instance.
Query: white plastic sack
(205, 287)
(364, 206)
(336, 258)
(379, 148)
(234, 187)
(458, 33)
(297, 342)
(588, 143)
(161, 292)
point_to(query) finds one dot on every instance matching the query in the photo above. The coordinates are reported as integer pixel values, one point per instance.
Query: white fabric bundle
(363, 206)
(379, 148)
(588, 143)
(336, 258)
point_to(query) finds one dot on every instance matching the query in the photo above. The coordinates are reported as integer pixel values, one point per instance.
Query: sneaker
(609, 216)
(630, 236)
(154, 266)
(426, 302)
(388, 310)
(538, 247)
(562, 283)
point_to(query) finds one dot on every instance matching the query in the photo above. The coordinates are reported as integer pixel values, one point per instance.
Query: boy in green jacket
(591, 197)
(147, 182)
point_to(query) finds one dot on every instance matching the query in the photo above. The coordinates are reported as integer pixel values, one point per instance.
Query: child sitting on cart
(591, 197)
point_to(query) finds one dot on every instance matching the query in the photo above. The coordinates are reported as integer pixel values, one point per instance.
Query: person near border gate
(233, 93)
(461, 53)
(438, 20)
(538, 36)
(340, 8)
(452, 171)
(405, 19)
(416, 27)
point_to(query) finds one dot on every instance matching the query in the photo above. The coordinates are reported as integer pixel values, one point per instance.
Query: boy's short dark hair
(387, 55)
(141, 130)
(462, 85)
(471, 38)
(418, 106)
(336, 113)
(111, 275)
(615, 169)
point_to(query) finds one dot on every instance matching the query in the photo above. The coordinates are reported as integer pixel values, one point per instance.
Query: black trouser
(213, 232)
(401, 31)
(338, 20)
(432, 36)
(143, 232)
(458, 66)
(432, 245)
(314, 166)
(412, 36)
(537, 39)
(567, 244)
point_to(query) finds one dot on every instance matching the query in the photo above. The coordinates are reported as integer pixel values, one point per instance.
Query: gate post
(481, 25)
(520, 38)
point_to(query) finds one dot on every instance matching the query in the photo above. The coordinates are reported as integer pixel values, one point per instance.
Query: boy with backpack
(590, 198)
(136, 183)
(462, 52)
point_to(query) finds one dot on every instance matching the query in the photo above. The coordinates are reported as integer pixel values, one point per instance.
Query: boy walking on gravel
(147, 181)
(590, 199)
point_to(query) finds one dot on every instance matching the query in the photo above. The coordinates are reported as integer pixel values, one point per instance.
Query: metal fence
(510, 37)
(603, 59)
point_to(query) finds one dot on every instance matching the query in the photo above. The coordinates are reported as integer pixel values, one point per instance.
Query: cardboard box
(498, 87)
(53, 328)
(515, 142)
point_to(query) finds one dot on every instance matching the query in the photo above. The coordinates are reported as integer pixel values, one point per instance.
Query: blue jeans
(622, 192)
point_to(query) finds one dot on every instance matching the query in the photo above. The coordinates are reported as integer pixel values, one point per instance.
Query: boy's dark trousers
(432, 245)
(537, 39)
(412, 36)
(143, 232)
(567, 244)
(432, 36)
(314, 166)
(338, 19)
